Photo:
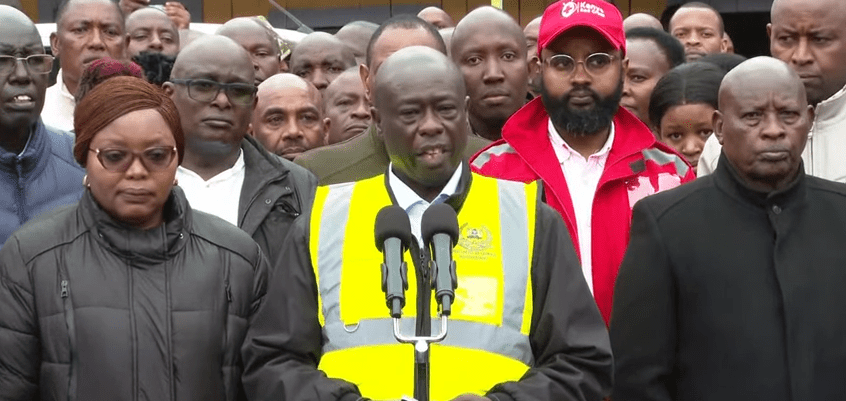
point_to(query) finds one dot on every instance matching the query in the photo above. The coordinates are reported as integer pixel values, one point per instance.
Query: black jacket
(567, 334)
(274, 193)
(726, 293)
(91, 309)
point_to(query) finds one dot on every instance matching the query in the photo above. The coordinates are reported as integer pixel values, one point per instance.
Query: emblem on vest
(474, 242)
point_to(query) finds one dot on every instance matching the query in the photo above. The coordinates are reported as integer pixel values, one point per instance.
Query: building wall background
(332, 14)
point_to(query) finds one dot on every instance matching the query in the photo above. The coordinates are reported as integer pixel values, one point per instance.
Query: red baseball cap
(599, 15)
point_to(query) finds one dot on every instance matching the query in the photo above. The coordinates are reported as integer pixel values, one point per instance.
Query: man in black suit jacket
(732, 286)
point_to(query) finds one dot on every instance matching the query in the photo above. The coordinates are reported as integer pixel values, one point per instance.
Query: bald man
(730, 285)
(319, 58)
(288, 118)
(489, 47)
(364, 156)
(356, 35)
(531, 33)
(226, 172)
(346, 107)
(820, 62)
(437, 17)
(151, 30)
(555, 349)
(39, 171)
(641, 20)
(261, 43)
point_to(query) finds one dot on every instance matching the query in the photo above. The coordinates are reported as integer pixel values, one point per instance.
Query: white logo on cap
(572, 7)
(568, 10)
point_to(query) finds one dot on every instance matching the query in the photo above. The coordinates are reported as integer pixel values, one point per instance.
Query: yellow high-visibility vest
(488, 337)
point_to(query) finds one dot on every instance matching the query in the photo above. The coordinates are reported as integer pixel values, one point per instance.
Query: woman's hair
(690, 83)
(103, 69)
(671, 47)
(117, 97)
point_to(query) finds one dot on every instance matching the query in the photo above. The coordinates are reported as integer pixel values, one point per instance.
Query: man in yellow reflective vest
(523, 326)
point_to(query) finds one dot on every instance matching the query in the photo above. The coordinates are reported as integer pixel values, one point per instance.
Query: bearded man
(595, 158)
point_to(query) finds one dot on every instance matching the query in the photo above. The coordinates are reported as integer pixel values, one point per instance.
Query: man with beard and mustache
(595, 159)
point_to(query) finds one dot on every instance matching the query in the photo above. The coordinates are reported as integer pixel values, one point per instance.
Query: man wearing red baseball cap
(595, 158)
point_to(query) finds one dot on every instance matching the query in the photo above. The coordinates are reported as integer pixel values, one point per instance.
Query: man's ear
(126, 43)
(168, 89)
(54, 45)
(724, 45)
(327, 124)
(250, 130)
(364, 73)
(718, 126)
(375, 115)
(770, 31)
(535, 66)
(625, 67)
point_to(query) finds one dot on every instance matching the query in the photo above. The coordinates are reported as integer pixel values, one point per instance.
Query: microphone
(393, 236)
(440, 231)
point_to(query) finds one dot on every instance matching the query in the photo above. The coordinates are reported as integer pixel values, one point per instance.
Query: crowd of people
(643, 215)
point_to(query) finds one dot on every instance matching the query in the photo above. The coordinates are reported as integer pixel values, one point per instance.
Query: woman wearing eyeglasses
(129, 294)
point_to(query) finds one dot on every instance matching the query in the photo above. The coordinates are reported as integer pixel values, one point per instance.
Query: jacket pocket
(67, 305)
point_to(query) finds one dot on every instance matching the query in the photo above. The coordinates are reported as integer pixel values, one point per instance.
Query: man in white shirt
(226, 172)
(86, 30)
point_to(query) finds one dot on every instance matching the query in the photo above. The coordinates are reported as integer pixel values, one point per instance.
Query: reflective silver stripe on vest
(336, 211)
(494, 151)
(661, 157)
(515, 250)
(460, 333)
(506, 340)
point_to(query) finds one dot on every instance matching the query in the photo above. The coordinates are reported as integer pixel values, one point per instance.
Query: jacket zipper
(226, 305)
(74, 363)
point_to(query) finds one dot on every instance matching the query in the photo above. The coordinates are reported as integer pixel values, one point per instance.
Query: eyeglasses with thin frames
(35, 64)
(595, 64)
(118, 160)
(204, 90)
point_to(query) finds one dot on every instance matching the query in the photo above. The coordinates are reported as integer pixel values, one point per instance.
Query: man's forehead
(345, 83)
(84, 10)
(697, 16)
(149, 19)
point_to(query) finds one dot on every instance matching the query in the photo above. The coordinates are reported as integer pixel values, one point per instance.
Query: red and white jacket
(638, 165)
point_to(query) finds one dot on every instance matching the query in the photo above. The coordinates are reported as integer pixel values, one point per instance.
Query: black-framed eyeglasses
(118, 160)
(36, 63)
(595, 64)
(204, 90)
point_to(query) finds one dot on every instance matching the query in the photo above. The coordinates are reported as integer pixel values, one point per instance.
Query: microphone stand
(421, 343)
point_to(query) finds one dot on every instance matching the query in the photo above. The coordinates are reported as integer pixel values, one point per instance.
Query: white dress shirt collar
(413, 204)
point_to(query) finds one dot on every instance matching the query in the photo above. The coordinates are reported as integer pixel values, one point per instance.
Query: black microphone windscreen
(439, 218)
(392, 221)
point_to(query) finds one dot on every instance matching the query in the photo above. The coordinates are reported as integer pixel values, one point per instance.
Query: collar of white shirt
(221, 176)
(413, 204)
(406, 197)
(564, 152)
